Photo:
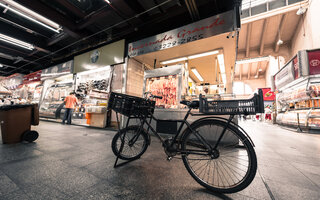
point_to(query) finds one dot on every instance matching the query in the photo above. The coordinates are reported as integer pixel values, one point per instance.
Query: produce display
(165, 87)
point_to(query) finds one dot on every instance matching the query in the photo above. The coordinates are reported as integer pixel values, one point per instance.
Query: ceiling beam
(249, 70)
(263, 36)
(258, 67)
(280, 30)
(240, 71)
(249, 30)
(72, 8)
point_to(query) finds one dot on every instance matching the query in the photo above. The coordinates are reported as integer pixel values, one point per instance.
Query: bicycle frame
(183, 122)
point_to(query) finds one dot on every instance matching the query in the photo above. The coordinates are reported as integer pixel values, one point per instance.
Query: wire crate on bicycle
(130, 105)
(216, 151)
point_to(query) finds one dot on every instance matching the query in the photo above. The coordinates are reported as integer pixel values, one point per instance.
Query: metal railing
(254, 7)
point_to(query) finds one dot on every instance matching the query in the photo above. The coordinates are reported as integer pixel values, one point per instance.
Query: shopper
(268, 113)
(70, 102)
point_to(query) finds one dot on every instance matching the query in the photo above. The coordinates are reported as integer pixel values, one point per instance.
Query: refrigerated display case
(52, 103)
(298, 100)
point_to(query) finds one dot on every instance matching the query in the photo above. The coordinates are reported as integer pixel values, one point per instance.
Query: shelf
(101, 91)
(98, 97)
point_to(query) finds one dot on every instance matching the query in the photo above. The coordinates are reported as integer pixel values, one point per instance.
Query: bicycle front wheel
(130, 143)
(230, 167)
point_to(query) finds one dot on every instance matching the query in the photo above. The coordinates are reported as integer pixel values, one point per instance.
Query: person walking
(70, 102)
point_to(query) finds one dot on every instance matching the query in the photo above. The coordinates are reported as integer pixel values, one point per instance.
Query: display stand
(122, 144)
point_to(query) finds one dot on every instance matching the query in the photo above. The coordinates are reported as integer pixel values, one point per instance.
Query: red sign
(33, 77)
(268, 95)
(296, 68)
(314, 62)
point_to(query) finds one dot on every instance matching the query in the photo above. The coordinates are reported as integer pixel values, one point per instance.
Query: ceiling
(252, 70)
(87, 24)
(259, 36)
(205, 65)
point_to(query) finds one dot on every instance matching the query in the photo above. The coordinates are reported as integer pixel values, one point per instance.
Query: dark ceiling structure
(37, 34)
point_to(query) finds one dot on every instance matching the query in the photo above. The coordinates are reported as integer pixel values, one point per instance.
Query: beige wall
(308, 31)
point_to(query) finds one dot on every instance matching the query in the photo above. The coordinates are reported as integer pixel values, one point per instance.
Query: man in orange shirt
(69, 101)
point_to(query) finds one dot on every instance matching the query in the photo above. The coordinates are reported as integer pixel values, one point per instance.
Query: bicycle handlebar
(157, 97)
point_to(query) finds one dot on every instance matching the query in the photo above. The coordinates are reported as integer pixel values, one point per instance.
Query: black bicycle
(216, 151)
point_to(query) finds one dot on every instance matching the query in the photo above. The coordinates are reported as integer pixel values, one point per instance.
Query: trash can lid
(16, 106)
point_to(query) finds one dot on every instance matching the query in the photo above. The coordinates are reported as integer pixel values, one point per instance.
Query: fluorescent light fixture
(194, 70)
(173, 60)
(107, 1)
(203, 54)
(16, 42)
(51, 25)
(224, 78)
(221, 63)
(252, 60)
(1, 65)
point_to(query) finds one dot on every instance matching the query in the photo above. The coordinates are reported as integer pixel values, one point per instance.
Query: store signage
(314, 62)
(94, 56)
(205, 28)
(296, 67)
(285, 75)
(58, 70)
(32, 77)
(268, 95)
(13, 81)
(109, 54)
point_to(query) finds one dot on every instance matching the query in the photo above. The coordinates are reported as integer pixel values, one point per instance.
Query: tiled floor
(72, 162)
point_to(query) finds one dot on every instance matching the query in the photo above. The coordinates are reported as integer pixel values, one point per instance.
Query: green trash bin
(16, 121)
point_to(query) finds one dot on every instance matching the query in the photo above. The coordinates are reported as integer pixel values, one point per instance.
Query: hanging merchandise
(165, 82)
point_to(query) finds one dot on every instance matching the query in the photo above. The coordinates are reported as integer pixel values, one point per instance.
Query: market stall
(92, 89)
(182, 63)
(297, 86)
(58, 82)
(97, 73)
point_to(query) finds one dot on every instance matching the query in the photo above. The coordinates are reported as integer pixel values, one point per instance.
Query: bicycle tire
(128, 153)
(225, 154)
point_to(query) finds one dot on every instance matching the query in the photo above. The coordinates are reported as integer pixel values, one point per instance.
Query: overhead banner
(107, 55)
(57, 70)
(205, 28)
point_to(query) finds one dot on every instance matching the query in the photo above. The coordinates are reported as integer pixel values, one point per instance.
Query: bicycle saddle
(190, 104)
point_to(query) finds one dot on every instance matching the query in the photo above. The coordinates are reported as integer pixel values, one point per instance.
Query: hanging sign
(314, 62)
(32, 77)
(296, 67)
(285, 75)
(58, 70)
(205, 28)
(267, 94)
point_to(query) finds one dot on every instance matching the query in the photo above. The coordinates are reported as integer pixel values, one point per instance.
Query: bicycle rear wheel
(135, 143)
(228, 169)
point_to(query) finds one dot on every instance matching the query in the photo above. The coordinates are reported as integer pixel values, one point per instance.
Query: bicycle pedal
(169, 158)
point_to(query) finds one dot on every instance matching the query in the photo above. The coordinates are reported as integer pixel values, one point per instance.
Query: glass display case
(54, 96)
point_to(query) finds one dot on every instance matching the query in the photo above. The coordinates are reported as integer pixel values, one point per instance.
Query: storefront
(32, 87)
(297, 85)
(195, 59)
(58, 82)
(97, 73)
